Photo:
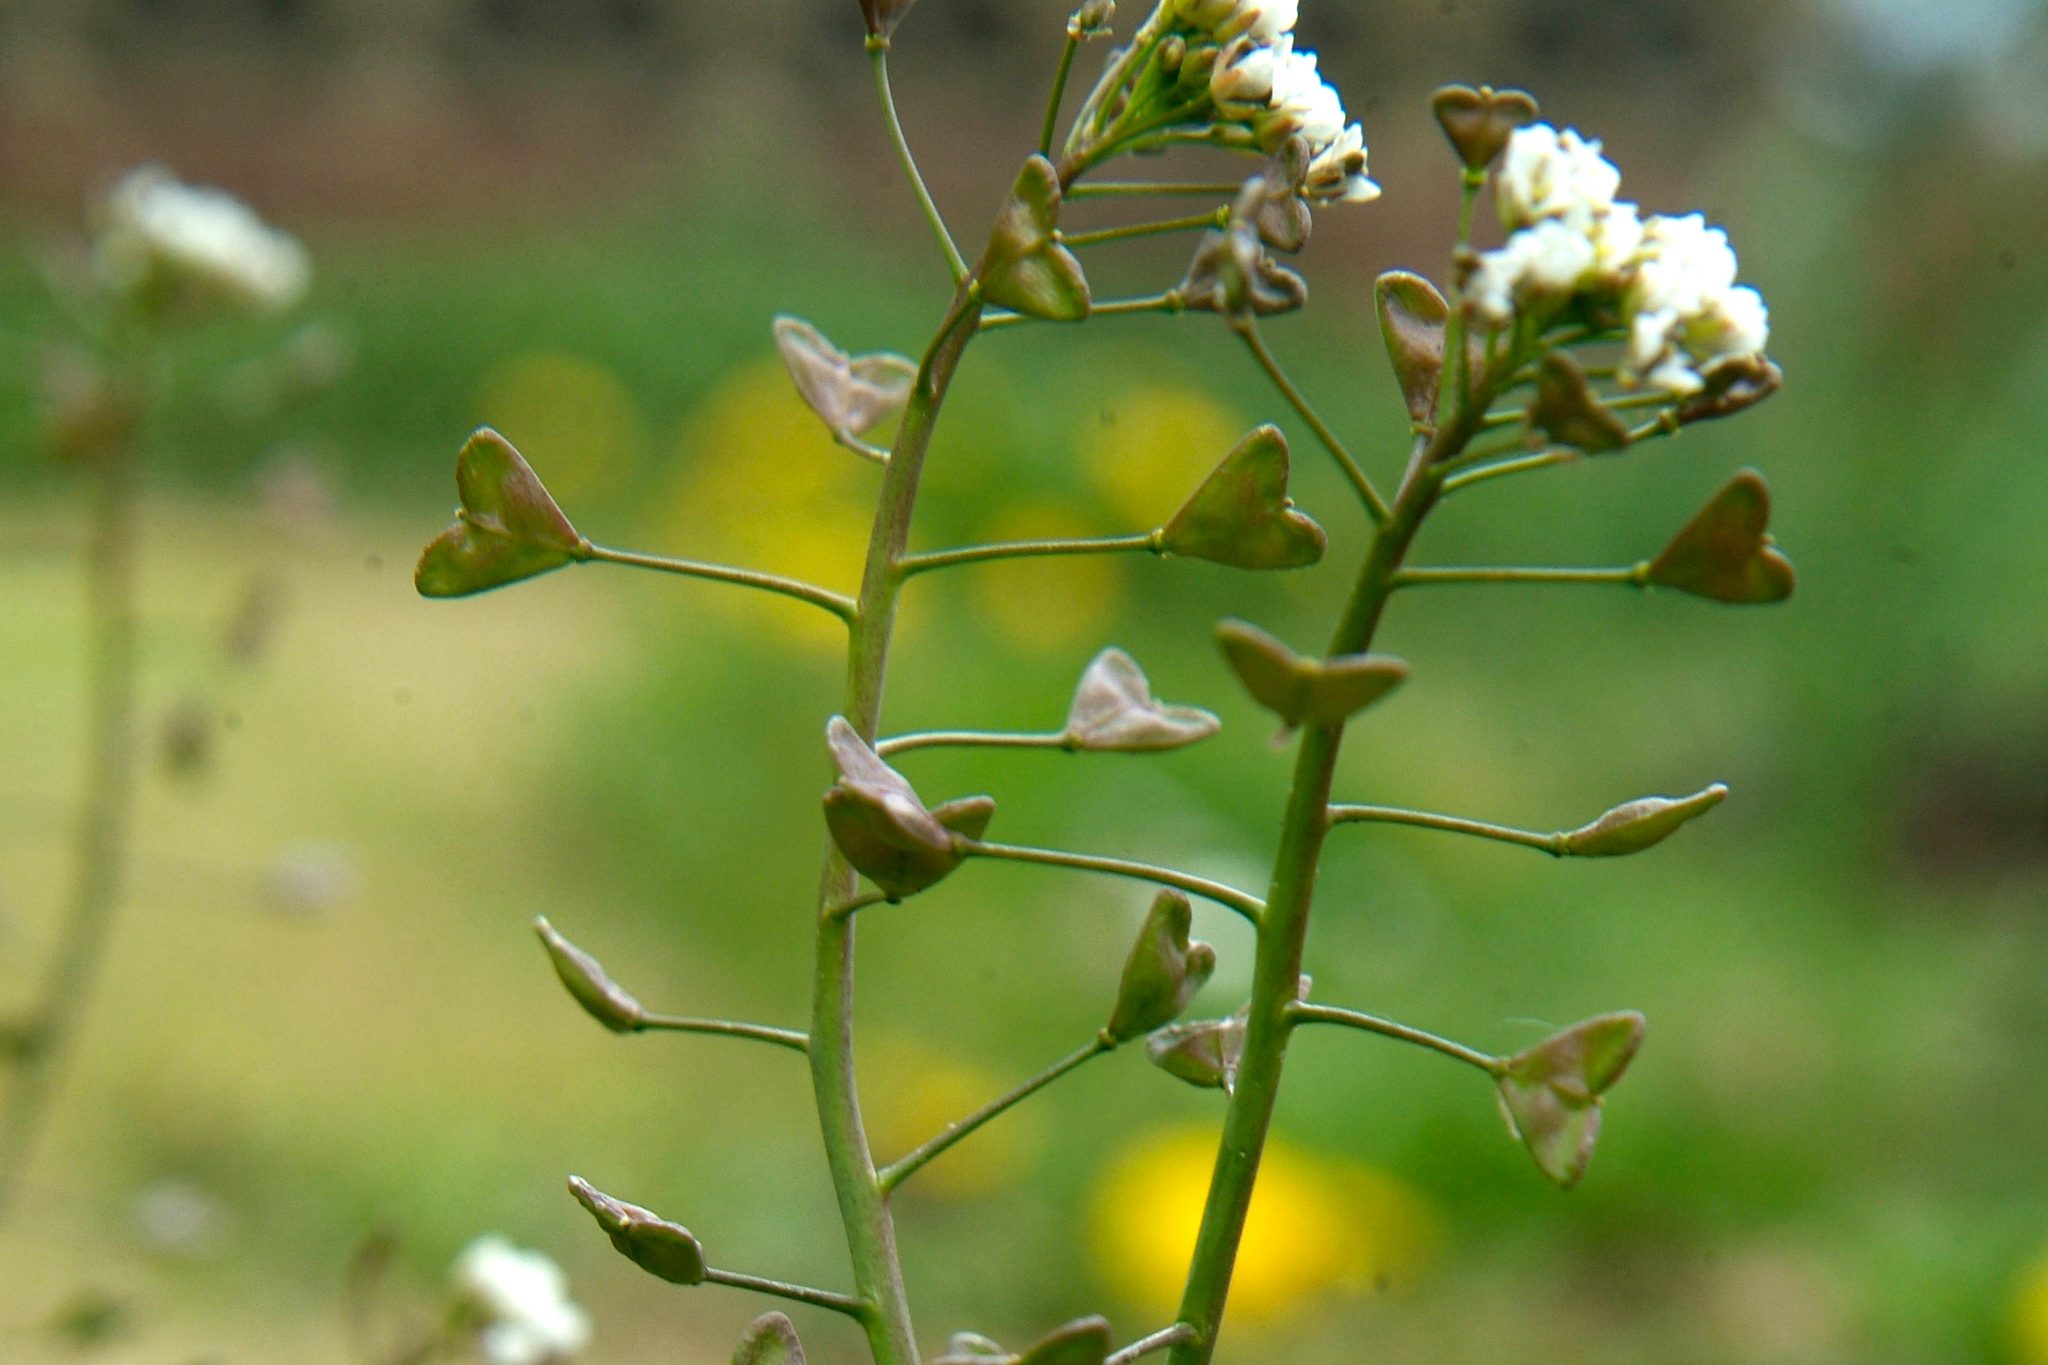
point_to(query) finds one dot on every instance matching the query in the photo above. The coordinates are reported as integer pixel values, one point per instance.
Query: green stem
(1243, 902)
(1553, 844)
(1216, 218)
(1059, 90)
(1501, 469)
(800, 1293)
(1632, 575)
(912, 565)
(838, 604)
(1169, 302)
(860, 447)
(979, 739)
(1110, 189)
(1387, 1028)
(1147, 1345)
(100, 850)
(729, 1028)
(1375, 505)
(878, 53)
(901, 1170)
(864, 1212)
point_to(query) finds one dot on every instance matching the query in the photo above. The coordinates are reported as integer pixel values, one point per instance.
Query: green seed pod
(1479, 122)
(1202, 1052)
(770, 1340)
(1084, 1341)
(884, 829)
(1241, 515)
(1550, 1093)
(1725, 552)
(1567, 410)
(1233, 274)
(506, 527)
(1413, 315)
(1732, 385)
(1306, 691)
(1025, 268)
(1637, 825)
(1163, 972)
(588, 984)
(1114, 712)
(972, 1348)
(852, 394)
(663, 1249)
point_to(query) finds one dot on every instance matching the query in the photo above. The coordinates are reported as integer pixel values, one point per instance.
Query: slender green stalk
(1243, 902)
(1059, 90)
(1631, 575)
(1169, 302)
(979, 739)
(1149, 1345)
(1148, 541)
(1503, 468)
(800, 1293)
(901, 1170)
(1553, 843)
(1113, 189)
(860, 447)
(1194, 222)
(1371, 1023)
(878, 53)
(863, 1210)
(838, 604)
(729, 1028)
(100, 848)
(1375, 505)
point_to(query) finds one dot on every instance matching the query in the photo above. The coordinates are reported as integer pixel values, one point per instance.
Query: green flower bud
(1241, 515)
(1114, 712)
(1025, 268)
(1479, 122)
(1637, 825)
(1550, 1093)
(663, 1249)
(770, 1340)
(1725, 553)
(1567, 410)
(1306, 691)
(1163, 972)
(588, 984)
(506, 527)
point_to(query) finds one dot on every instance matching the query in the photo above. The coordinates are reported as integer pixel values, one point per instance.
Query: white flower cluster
(1673, 278)
(523, 1301)
(160, 236)
(1261, 79)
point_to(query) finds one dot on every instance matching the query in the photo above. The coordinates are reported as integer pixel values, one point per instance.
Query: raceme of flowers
(164, 241)
(1673, 279)
(522, 1302)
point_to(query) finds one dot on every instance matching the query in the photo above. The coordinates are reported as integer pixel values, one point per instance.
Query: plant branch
(1553, 844)
(1502, 468)
(1303, 1013)
(1111, 189)
(1158, 1341)
(1059, 89)
(859, 447)
(729, 1028)
(1250, 906)
(879, 54)
(980, 739)
(901, 1170)
(912, 565)
(1631, 575)
(1169, 302)
(801, 1293)
(1375, 505)
(1194, 222)
(838, 604)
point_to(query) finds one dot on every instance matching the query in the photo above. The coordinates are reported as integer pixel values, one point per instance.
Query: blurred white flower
(1303, 104)
(162, 238)
(1242, 84)
(523, 1302)
(1263, 20)
(1550, 174)
(1685, 310)
(1555, 259)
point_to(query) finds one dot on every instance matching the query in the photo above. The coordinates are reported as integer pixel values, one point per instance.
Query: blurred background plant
(323, 1015)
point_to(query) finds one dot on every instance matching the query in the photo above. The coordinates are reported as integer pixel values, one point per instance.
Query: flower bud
(1725, 553)
(663, 1249)
(1550, 1093)
(1479, 122)
(1204, 1052)
(770, 1340)
(602, 998)
(1114, 712)
(1241, 515)
(506, 527)
(1413, 316)
(1637, 825)
(852, 394)
(1306, 691)
(1567, 410)
(1025, 268)
(1092, 18)
(1163, 972)
(885, 831)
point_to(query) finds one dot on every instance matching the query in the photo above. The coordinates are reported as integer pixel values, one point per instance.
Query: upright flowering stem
(863, 1204)
(100, 848)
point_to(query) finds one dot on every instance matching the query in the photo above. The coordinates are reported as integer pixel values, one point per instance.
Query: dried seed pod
(1550, 1093)
(602, 998)
(1163, 972)
(1233, 274)
(1306, 691)
(663, 1249)
(770, 1340)
(1025, 268)
(1479, 122)
(852, 394)
(1114, 711)
(1413, 316)
(884, 829)
(1637, 825)
(507, 527)
(1241, 515)
(1567, 410)
(1725, 552)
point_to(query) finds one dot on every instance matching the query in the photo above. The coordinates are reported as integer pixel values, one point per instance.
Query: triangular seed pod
(1163, 972)
(852, 395)
(1567, 410)
(663, 1249)
(1479, 122)
(1202, 1052)
(1025, 267)
(1550, 1093)
(1413, 316)
(1241, 515)
(1725, 552)
(1306, 691)
(1731, 386)
(1084, 1341)
(601, 997)
(884, 829)
(770, 1340)
(1114, 711)
(1637, 825)
(506, 526)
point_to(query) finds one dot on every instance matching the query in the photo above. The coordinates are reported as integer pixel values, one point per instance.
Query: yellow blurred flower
(763, 486)
(1152, 446)
(1317, 1225)
(2030, 1315)
(571, 418)
(1050, 602)
(912, 1090)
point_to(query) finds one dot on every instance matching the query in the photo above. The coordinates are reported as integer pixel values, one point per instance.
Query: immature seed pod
(602, 998)
(1413, 316)
(1305, 691)
(1163, 972)
(1241, 515)
(1637, 825)
(852, 395)
(507, 527)
(1114, 712)
(884, 829)
(1203, 1052)
(1725, 553)
(1479, 122)
(1550, 1093)
(1025, 268)
(882, 16)
(663, 1249)
(770, 1340)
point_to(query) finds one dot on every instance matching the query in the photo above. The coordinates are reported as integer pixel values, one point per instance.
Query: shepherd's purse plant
(1590, 329)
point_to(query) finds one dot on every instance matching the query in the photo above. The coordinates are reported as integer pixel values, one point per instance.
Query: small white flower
(162, 235)
(1242, 83)
(1555, 259)
(1550, 174)
(523, 1301)
(1337, 172)
(1686, 313)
